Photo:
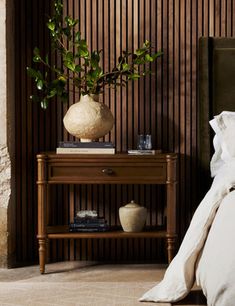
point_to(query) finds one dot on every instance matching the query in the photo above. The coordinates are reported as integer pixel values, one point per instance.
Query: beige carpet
(84, 284)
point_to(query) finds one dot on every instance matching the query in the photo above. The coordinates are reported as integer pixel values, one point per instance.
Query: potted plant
(87, 119)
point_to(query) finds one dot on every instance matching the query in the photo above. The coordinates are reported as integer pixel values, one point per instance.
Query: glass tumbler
(141, 142)
(148, 142)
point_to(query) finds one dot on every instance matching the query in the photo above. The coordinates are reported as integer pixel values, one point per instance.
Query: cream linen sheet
(215, 272)
(180, 275)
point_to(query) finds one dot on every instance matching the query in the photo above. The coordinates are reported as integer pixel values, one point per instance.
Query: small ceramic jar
(132, 217)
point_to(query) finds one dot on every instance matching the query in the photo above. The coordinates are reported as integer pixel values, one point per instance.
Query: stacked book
(89, 224)
(75, 147)
(141, 152)
(144, 152)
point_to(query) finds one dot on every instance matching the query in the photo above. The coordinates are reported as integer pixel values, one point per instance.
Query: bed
(207, 253)
(215, 270)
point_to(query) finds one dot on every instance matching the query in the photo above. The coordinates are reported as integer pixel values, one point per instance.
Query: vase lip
(94, 97)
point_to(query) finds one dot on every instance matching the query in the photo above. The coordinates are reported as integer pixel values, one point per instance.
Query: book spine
(89, 221)
(89, 229)
(75, 225)
(85, 150)
(71, 144)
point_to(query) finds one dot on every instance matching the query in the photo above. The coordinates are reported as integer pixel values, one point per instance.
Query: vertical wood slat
(164, 105)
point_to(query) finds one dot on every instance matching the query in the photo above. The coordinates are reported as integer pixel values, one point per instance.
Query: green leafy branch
(80, 67)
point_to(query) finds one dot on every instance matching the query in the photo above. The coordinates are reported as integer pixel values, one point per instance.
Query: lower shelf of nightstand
(62, 232)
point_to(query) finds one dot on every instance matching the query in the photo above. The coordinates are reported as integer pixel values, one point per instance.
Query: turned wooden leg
(42, 198)
(171, 207)
(48, 256)
(171, 248)
(42, 254)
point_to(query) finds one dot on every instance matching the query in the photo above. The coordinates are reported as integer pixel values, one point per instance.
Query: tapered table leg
(42, 254)
(171, 207)
(42, 197)
(171, 241)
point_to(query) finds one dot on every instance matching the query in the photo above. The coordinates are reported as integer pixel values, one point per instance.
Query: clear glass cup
(140, 142)
(148, 142)
(144, 142)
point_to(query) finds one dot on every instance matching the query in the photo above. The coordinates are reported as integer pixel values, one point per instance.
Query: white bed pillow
(224, 140)
(216, 161)
(224, 127)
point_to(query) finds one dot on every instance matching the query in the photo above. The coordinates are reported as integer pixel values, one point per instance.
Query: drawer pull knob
(107, 171)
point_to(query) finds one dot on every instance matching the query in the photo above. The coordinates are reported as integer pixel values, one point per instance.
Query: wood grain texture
(164, 105)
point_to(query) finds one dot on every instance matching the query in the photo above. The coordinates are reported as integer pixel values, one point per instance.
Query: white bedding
(215, 272)
(180, 275)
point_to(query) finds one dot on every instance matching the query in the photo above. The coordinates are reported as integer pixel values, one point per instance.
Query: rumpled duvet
(215, 270)
(180, 275)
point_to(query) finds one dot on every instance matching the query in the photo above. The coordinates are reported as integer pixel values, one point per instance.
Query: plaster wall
(5, 139)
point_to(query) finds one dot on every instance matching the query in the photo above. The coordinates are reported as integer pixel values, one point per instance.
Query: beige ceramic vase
(88, 119)
(132, 217)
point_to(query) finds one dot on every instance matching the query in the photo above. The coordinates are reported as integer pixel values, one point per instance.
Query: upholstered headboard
(216, 85)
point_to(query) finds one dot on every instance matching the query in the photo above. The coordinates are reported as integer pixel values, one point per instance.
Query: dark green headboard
(216, 85)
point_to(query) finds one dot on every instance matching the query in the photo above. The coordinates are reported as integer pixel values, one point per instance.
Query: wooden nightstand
(105, 169)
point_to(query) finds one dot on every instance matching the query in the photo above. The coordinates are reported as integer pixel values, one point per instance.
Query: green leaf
(140, 51)
(52, 93)
(39, 76)
(83, 43)
(77, 37)
(44, 103)
(95, 58)
(78, 68)
(39, 84)
(82, 49)
(51, 25)
(84, 53)
(37, 59)
(155, 55)
(134, 76)
(32, 72)
(120, 59)
(62, 78)
(69, 56)
(139, 61)
(148, 58)
(125, 67)
(58, 7)
(47, 59)
(70, 21)
(146, 44)
(57, 70)
(70, 65)
(67, 31)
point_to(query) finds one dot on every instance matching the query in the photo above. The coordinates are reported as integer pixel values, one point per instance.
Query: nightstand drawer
(128, 173)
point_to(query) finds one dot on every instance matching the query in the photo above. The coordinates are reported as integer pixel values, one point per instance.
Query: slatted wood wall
(164, 105)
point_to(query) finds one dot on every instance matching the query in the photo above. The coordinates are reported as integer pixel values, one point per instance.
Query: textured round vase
(132, 217)
(88, 119)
